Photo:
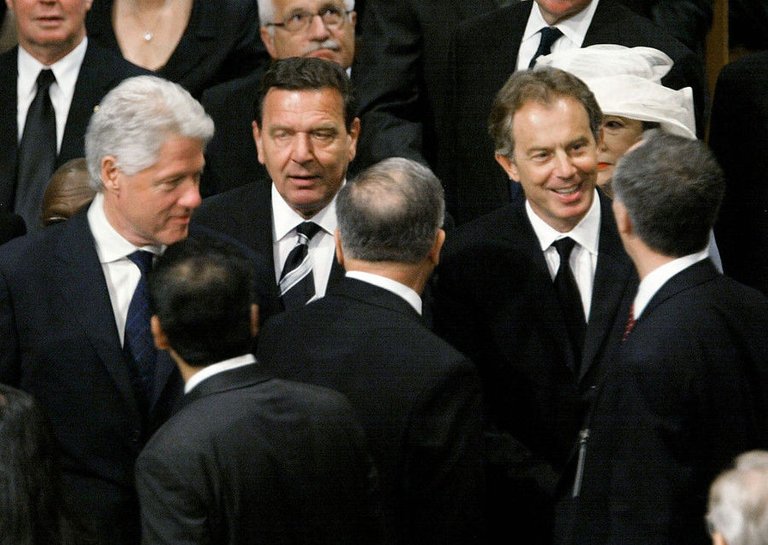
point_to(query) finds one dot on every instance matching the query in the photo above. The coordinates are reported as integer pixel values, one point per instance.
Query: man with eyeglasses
(289, 28)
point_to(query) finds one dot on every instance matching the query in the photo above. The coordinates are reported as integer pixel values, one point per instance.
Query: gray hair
(672, 188)
(267, 11)
(738, 501)
(135, 119)
(391, 212)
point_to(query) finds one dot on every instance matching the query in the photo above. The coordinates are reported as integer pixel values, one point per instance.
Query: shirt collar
(574, 28)
(110, 245)
(656, 279)
(586, 233)
(410, 296)
(65, 70)
(285, 219)
(214, 369)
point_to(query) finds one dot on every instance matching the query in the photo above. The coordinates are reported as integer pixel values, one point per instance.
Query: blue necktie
(138, 334)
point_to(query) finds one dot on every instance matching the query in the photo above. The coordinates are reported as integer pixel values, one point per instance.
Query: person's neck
(413, 275)
(48, 55)
(646, 260)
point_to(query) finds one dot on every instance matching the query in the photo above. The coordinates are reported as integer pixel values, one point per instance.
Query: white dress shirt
(61, 91)
(121, 274)
(322, 248)
(656, 279)
(401, 290)
(574, 30)
(216, 368)
(583, 260)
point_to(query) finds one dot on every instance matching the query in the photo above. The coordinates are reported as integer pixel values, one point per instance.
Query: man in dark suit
(305, 135)
(231, 159)
(417, 398)
(537, 325)
(248, 458)
(489, 48)
(401, 76)
(688, 390)
(83, 74)
(738, 135)
(73, 325)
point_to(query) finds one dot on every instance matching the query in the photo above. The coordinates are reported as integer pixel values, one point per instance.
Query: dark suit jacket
(230, 157)
(100, 72)
(485, 55)
(401, 76)
(738, 136)
(59, 342)
(221, 42)
(250, 459)
(496, 302)
(245, 214)
(417, 399)
(687, 393)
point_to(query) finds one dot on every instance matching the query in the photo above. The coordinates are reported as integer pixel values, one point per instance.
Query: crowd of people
(458, 274)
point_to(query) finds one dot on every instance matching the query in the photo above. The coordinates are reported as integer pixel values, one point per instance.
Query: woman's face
(619, 134)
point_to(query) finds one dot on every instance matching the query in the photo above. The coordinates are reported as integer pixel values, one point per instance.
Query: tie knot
(549, 35)
(44, 79)
(308, 229)
(143, 260)
(564, 246)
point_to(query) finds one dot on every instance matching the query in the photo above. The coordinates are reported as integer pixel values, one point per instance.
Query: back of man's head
(306, 74)
(738, 501)
(544, 87)
(672, 188)
(202, 294)
(391, 212)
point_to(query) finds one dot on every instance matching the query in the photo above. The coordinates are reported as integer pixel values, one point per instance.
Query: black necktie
(569, 296)
(297, 284)
(549, 36)
(37, 154)
(138, 335)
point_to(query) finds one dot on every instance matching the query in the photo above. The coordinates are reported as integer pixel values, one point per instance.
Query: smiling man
(305, 136)
(40, 133)
(535, 294)
(74, 325)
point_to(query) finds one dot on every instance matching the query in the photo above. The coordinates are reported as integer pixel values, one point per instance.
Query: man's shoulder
(504, 227)
(480, 25)
(30, 251)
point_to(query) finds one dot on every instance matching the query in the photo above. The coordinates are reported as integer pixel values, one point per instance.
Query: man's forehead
(327, 99)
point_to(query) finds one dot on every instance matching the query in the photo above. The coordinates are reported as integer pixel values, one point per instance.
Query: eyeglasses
(332, 17)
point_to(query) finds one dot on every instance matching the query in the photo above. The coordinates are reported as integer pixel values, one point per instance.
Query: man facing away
(248, 458)
(417, 398)
(74, 324)
(687, 391)
(533, 294)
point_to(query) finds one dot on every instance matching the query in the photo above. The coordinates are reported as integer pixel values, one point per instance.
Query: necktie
(138, 335)
(549, 36)
(297, 285)
(630, 323)
(37, 154)
(569, 296)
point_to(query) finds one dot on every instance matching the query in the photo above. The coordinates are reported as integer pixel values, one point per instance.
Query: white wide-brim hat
(638, 98)
(601, 60)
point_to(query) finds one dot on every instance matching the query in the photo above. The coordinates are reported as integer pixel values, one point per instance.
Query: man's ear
(257, 141)
(268, 39)
(339, 249)
(254, 320)
(509, 166)
(434, 252)
(109, 173)
(623, 221)
(161, 339)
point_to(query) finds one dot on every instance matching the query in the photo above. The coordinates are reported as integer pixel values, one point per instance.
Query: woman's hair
(31, 511)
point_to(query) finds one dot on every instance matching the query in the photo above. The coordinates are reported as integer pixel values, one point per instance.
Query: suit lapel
(83, 286)
(610, 287)
(8, 128)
